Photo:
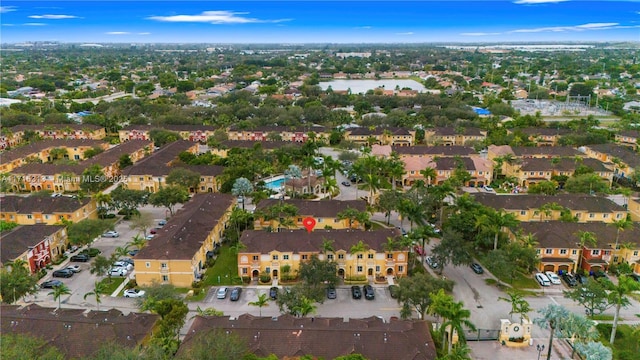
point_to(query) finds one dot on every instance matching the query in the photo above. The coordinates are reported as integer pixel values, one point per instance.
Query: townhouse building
(13, 136)
(37, 245)
(433, 151)
(543, 136)
(393, 136)
(449, 136)
(628, 138)
(193, 133)
(179, 251)
(582, 208)
(325, 213)
(622, 159)
(560, 248)
(279, 133)
(225, 146)
(40, 152)
(530, 171)
(31, 210)
(269, 252)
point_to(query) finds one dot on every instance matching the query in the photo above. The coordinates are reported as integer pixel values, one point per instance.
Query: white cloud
(530, 2)
(405, 33)
(8, 24)
(144, 33)
(589, 26)
(363, 27)
(53, 17)
(118, 33)
(215, 17)
(6, 9)
(34, 24)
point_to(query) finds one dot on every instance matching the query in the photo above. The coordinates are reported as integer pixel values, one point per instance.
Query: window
(29, 216)
(285, 257)
(563, 251)
(595, 252)
(635, 253)
(76, 157)
(538, 251)
(523, 212)
(163, 265)
(299, 219)
(541, 173)
(377, 269)
(548, 251)
(604, 216)
(359, 269)
(400, 268)
(369, 256)
(255, 257)
(330, 256)
(340, 256)
(305, 257)
(148, 264)
(201, 179)
(389, 256)
(165, 278)
(244, 271)
(578, 215)
(359, 256)
(574, 252)
(140, 178)
(592, 215)
(275, 257)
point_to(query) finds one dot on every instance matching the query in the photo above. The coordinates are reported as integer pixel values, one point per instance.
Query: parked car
(356, 293)
(222, 293)
(153, 231)
(331, 292)
(123, 264)
(149, 237)
(419, 250)
(487, 188)
(477, 268)
(74, 268)
(80, 258)
(346, 183)
(369, 293)
(435, 228)
(235, 294)
(402, 230)
(118, 271)
(50, 284)
(553, 277)
(64, 273)
(432, 262)
(569, 279)
(600, 275)
(635, 277)
(133, 252)
(133, 293)
(162, 222)
(273, 293)
(393, 291)
(111, 234)
(542, 279)
(582, 279)
(128, 261)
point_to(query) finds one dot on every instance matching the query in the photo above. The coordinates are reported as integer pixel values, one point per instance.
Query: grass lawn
(627, 344)
(603, 317)
(113, 285)
(224, 271)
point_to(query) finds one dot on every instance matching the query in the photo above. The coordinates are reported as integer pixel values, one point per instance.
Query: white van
(542, 279)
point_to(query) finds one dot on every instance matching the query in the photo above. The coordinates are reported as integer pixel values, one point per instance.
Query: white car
(111, 234)
(222, 293)
(487, 188)
(149, 237)
(118, 271)
(555, 279)
(74, 268)
(123, 264)
(133, 293)
(542, 279)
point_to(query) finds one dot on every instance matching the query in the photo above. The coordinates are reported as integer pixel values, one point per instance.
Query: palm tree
(237, 247)
(618, 296)
(518, 304)
(430, 174)
(394, 168)
(458, 352)
(586, 238)
(360, 247)
(293, 172)
(58, 292)
(138, 242)
(353, 215)
(208, 312)
(621, 225)
(99, 289)
(121, 251)
(304, 307)
(103, 201)
(327, 246)
(552, 316)
(262, 301)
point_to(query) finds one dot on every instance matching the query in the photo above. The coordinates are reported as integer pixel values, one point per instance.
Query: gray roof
(440, 150)
(37, 146)
(550, 151)
(324, 208)
(571, 201)
(40, 204)
(559, 234)
(564, 164)
(623, 153)
(16, 241)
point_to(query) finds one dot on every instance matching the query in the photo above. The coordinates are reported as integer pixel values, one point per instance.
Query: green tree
(83, 232)
(142, 221)
(586, 238)
(128, 200)
(169, 196)
(16, 281)
(261, 302)
(453, 249)
(208, 312)
(579, 329)
(315, 275)
(58, 292)
(93, 179)
(184, 177)
(25, 347)
(415, 291)
(161, 137)
(304, 307)
(552, 317)
(99, 289)
(592, 295)
(353, 215)
(454, 317)
(518, 304)
(100, 265)
(104, 203)
(618, 297)
(173, 315)
(586, 184)
(124, 161)
(387, 202)
(242, 187)
(594, 351)
(544, 187)
(621, 225)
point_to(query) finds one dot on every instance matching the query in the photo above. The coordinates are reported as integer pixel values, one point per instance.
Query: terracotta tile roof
(623, 153)
(37, 146)
(290, 337)
(323, 208)
(188, 228)
(16, 241)
(500, 150)
(259, 241)
(572, 201)
(560, 234)
(381, 150)
(435, 150)
(40, 204)
(562, 151)
(564, 164)
(417, 164)
(75, 333)
(267, 145)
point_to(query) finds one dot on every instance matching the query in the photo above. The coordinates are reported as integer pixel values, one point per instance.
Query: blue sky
(319, 21)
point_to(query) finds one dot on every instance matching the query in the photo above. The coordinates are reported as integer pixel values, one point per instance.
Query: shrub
(131, 284)
(246, 279)
(265, 278)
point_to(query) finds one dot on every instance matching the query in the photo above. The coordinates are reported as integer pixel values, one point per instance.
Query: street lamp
(540, 349)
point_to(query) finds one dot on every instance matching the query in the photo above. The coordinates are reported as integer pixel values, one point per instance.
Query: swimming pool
(275, 183)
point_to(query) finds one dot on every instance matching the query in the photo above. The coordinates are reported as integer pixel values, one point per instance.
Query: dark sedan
(477, 268)
(235, 294)
(64, 273)
(569, 279)
(356, 293)
(50, 284)
(273, 293)
(80, 258)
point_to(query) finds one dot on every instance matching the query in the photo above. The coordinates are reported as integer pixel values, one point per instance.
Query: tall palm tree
(138, 242)
(621, 225)
(586, 238)
(208, 312)
(327, 247)
(103, 200)
(356, 249)
(458, 352)
(552, 316)
(457, 317)
(58, 292)
(430, 174)
(394, 168)
(619, 297)
(261, 302)
(304, 307)
(518, 304)
(99, 289)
